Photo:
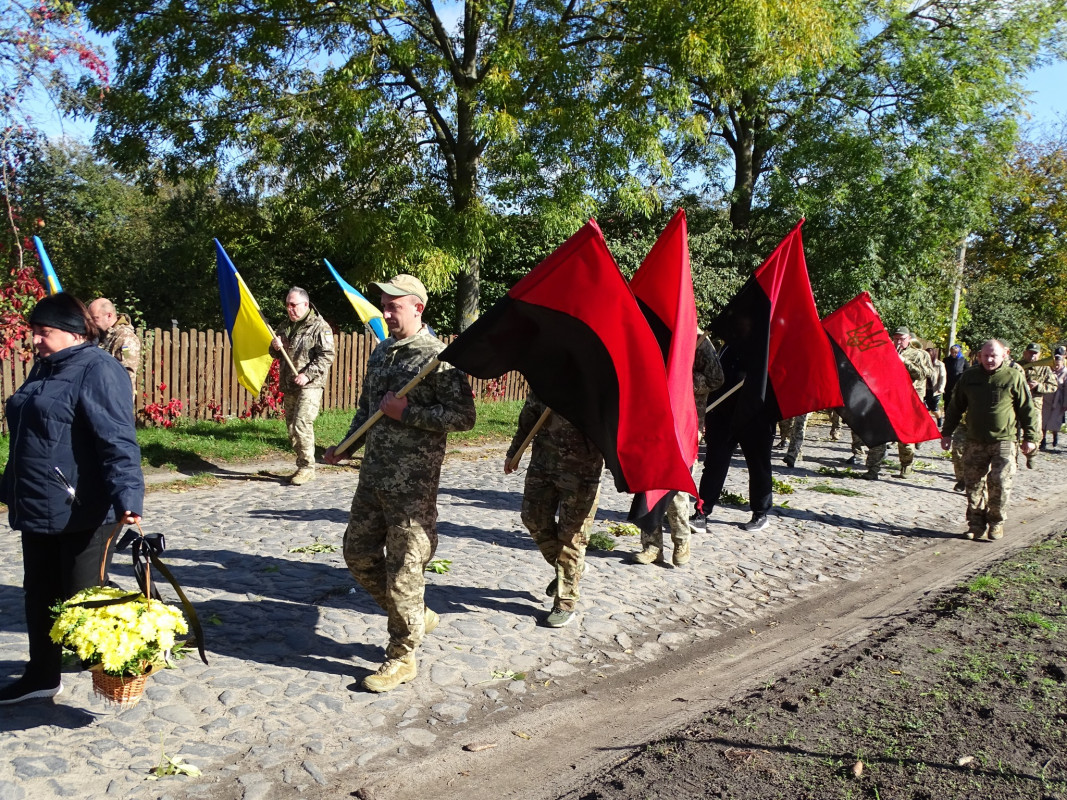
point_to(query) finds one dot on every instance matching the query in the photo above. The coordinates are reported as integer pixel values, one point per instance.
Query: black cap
(62, 311)
(1061, 351)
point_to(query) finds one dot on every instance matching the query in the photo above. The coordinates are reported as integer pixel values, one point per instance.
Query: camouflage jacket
(917, 363)
(559, 448)
(123, 343)
(406, 455)
(707, 373)
(1043, 376)
(309, 343)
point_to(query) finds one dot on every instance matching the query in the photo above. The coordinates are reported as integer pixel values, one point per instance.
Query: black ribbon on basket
(146, 549)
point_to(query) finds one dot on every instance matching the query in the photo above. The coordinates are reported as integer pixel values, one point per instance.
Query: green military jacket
(406, 455)
(996, 404)
(707, 374)
(919, 366)
(1043, 377)
(559, 449)
(122, 342)
(309, 343)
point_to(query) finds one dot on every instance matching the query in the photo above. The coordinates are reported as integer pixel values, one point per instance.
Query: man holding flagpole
(392, 528)
(308, 341)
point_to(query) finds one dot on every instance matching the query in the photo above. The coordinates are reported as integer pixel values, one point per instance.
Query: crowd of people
(73, 475)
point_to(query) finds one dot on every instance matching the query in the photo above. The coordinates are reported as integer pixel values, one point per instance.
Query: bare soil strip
(548, 751)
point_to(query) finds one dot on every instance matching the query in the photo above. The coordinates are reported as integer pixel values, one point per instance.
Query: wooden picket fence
(196, 368)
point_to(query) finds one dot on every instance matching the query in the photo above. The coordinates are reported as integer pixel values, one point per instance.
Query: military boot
(430, 620)
(302, 476)
(996, 531)
(391, 674)
(680, 557)
(648, 555)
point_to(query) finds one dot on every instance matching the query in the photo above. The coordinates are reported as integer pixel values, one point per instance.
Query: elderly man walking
(308, 340)
(996, 400)
(117, 337)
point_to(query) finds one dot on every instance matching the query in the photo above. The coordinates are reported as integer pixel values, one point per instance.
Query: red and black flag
(573, 328)
(663, 286)
(773, 340)
(880, 403)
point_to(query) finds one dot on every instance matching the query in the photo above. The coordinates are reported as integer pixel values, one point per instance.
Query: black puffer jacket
(71, 422)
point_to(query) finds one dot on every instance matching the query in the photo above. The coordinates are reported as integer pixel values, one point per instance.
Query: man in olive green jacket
(997, 402)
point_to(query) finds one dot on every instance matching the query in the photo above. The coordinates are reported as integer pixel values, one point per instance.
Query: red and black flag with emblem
(774, 343)
(574, 330)
(880, 403)
(663, 286)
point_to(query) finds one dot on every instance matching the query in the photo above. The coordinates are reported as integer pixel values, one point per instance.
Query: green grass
(825, 488)
(200, 444)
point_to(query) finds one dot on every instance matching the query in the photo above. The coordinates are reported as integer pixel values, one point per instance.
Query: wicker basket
(124, 691)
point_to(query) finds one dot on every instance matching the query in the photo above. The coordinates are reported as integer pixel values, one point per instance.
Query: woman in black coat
(73, 472)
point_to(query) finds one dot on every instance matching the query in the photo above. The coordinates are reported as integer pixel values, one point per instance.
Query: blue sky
(1049, 100)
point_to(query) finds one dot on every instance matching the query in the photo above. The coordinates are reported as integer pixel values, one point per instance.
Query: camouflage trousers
(906, 452)
(959, 442)
(677, 514)
(835, 424)
(796, 437)
(988, 471)
(561, 541)
(301, 408)
(390, 538)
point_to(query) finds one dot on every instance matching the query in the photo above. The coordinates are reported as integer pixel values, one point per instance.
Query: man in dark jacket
(955, 364)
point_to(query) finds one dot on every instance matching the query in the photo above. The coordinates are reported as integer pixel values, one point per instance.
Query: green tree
(886, 89)
(407, 129)
(1016, 270)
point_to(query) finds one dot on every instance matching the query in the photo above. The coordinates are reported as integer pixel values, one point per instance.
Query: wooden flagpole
(513, 463)
(377, 415)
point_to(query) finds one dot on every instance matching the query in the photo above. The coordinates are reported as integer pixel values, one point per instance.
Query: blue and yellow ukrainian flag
(250, 337)
(50, 277)
(371, 315)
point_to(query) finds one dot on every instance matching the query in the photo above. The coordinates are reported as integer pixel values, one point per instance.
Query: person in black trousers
(73, 472)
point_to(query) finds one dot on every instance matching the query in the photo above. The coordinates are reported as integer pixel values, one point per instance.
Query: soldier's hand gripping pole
(513, 464)
(274, 335)
(724, 395)
(377, 415)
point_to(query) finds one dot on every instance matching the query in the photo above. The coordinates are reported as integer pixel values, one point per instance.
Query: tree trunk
(465, 196)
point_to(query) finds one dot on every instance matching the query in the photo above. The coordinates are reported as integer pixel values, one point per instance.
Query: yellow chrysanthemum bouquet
(125, 638)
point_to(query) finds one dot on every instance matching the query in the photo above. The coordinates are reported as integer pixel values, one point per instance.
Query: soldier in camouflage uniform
(392, 527)
(707, 377)
(798, 427)
(564, 477)
(996, 400)
(118, 337)
(1041, 381)
(308, 340)
(920, 368)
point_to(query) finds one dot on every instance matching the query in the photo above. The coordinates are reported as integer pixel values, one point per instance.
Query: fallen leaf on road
(857, 769)
(895, 672)
(522, 735)
(477, 747)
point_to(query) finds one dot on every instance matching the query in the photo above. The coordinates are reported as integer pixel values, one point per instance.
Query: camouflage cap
(1033, 347)
(402, 285)
(902, 331)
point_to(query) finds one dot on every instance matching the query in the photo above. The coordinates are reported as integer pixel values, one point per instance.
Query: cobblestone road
(279, 712)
